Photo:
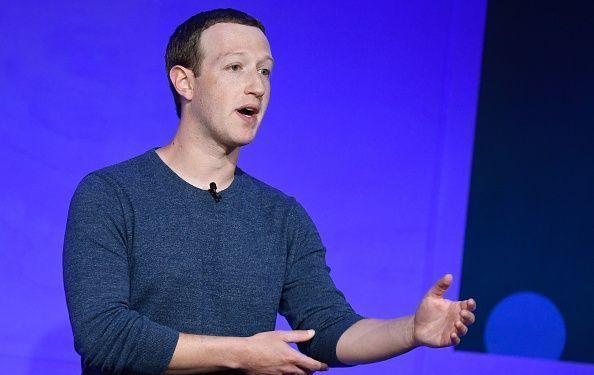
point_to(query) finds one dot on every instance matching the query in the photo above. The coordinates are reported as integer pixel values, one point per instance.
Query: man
(165, 270)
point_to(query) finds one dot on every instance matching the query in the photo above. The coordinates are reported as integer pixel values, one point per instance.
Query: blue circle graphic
(526, 324)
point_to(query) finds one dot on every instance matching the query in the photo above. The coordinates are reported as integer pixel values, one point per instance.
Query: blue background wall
(528, 248)
(372, 102)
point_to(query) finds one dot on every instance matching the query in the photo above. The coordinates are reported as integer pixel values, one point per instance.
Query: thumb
(297, 335)
(441, 286)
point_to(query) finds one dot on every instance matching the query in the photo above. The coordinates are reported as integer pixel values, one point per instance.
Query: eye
(234, 67)
(264, 71)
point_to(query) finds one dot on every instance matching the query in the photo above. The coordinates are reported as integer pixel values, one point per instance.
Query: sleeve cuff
(166, 340)
(324, 344)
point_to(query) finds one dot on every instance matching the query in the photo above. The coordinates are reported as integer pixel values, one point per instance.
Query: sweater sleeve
(109, 336)
(310, 300)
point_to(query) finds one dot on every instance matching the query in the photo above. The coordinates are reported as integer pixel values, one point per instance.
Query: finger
(461, 329)
(294, 370)
(310, 364)
(297, 335)
(470, 304)
(467, 317)
(441, 286)
(309, 372)
(455, 339)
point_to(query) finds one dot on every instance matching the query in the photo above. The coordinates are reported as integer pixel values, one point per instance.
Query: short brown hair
(184, 44)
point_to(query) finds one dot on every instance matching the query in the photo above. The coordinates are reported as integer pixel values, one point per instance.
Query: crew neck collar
(235, 183)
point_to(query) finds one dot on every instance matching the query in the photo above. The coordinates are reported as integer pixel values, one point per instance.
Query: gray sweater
(147, 255)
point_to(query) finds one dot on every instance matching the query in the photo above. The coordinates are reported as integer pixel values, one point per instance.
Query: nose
(255, 85)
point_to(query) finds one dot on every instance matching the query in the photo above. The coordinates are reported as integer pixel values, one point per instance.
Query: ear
(183, 80)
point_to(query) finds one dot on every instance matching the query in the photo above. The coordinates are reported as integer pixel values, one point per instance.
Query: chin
(243, 139)
(239, 142)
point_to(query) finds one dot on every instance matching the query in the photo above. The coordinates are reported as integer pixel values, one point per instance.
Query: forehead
(225, 38)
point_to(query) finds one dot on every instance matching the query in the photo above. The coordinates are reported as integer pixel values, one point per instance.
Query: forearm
(202, 354)
(262, 353)
(372, 340)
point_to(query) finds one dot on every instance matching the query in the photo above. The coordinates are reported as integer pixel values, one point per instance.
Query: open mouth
(248, 111)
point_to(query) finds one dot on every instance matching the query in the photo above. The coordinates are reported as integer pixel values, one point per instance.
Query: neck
(199, 160)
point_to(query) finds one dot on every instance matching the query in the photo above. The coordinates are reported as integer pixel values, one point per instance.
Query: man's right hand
(269, 353)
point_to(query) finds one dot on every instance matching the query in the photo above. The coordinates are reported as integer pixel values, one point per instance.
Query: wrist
(402, 333)
(410, 332)
(237, 353)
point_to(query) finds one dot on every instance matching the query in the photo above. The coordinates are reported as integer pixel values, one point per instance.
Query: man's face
(233, 85)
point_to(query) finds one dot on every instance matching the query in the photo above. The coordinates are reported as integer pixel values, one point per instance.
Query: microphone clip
(213, 192)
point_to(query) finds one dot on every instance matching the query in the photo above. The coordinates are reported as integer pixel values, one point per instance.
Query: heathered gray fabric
(147, 255)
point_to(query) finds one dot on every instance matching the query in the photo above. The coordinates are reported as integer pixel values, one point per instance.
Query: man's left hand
(439, 322)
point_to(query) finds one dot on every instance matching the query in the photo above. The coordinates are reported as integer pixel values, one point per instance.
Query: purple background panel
(370, 126)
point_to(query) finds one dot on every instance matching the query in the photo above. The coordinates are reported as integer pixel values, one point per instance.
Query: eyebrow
(221, 56)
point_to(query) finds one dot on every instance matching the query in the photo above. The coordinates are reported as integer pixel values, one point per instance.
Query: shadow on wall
(54, 353)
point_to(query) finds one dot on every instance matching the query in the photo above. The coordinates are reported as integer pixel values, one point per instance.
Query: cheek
(210, 90)
(210, 100)
(266, 98)
(222, 95)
